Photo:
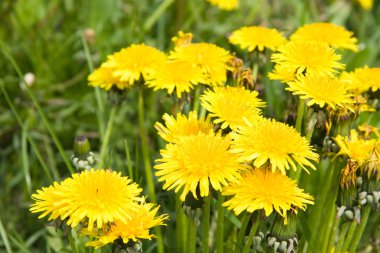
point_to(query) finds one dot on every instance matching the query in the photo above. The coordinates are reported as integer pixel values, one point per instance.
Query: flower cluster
(103, 203)
(187, 65)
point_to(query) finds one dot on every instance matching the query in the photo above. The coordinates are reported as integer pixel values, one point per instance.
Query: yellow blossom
(263, 189)
(321, 90)
(268, 141)
(300, 57)
(209, 58)
(181, 126)
(232, 105)
(334, 35)
(134, 62)
(197, 163)
(252, 37)
(96, 196)
(227, 5)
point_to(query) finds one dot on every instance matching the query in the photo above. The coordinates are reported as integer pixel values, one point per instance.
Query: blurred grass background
(45, 39)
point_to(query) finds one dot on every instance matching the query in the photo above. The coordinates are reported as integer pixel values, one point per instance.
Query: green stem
(220, 230)
(107, 136)
(181, 225)
(300, 112)
(72, 242)
(331, 238)
(197, 94)
(327, 225)
(349, 236)
(206, 223)
(309, 134)
(243, 228)
(144, 147)
(99, 101)
(30, 140)
(38, 107)
(359, 231)
(252, 233)
(147, 165)
(342, 236)
(192, 241)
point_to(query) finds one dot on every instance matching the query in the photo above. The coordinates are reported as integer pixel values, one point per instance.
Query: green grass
(39, 123)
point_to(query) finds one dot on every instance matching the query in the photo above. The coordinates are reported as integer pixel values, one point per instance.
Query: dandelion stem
(38, 107)
(206, 224)
(342, 235)
(220, 230)
(107, 136)
(331, 239)
(300, 112)
(252, 233)
(147, 165)
(197, 94)
(72, 242)
(144, 147)
(243, 228)
(359, 231)
(192, 242)
(349, 236)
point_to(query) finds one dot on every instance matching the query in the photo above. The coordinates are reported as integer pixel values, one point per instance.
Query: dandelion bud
(82, 158)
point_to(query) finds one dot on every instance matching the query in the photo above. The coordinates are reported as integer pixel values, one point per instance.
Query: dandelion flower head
(263, 189)
(362, 79)
(252, 37)
(209, 58)
(300, 57)
(182, 39)
(137, 227)
(267, 140)
(366, 4)
(232, 105)
(103, 78)
(134, 62)
(227, 5)
(321, 90)
(182, 125)
(334, 35)
(96, 196)
(356, 148)
(179, 76)
(197, 162)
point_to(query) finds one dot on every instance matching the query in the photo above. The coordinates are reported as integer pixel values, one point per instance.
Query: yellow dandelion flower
(137, 227)
(175, 128)
(355, 148)
(134, 62)
(183, 39)
(211, 59)
(94, 196)
(282, 73)
(321, 90)
(227, 5)
(232, 105)
(366, 4)
(362, 79)
(334, 35)
(195, 162)
(263, 189)
(252, 37)
(267, 140)
(179, 76)
(307, 56)
(103, 78)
